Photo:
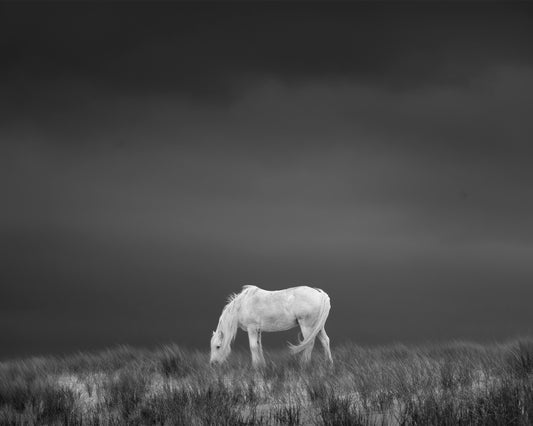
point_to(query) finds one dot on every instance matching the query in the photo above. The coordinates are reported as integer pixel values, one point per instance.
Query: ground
(453, 383)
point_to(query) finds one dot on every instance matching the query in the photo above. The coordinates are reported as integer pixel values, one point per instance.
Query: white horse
(256, 310)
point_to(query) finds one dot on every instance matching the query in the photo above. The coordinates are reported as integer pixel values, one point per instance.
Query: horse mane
(234, 296)
(228, 322)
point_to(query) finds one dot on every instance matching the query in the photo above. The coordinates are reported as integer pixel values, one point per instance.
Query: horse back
(281, 307)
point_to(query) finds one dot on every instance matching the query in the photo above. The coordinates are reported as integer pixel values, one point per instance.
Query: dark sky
(156, 157)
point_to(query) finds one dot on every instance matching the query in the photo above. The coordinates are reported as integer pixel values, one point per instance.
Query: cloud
(152, 155)
(219, 52)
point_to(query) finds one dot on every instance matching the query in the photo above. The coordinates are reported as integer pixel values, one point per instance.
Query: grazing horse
(255, 310)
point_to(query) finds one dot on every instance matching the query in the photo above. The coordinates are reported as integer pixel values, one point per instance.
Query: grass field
(446, 384)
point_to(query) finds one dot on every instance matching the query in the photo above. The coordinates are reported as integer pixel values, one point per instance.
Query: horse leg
(306, 353)
(324, 339)
(260, 347)
(254, 339)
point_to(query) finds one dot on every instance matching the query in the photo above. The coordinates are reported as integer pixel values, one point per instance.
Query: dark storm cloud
(218, 50)
(153, 154)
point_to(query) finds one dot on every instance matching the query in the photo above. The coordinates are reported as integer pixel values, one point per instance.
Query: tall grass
(447, 384)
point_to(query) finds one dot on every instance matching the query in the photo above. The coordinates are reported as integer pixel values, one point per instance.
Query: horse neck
(229, 320)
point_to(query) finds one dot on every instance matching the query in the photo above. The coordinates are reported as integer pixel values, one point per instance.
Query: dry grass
(456, 383)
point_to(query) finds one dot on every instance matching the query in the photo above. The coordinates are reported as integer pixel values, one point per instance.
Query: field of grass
(446, 384)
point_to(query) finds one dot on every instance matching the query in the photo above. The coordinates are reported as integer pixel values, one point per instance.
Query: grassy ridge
(456, 383)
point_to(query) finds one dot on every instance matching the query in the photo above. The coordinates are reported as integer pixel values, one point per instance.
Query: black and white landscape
(157, 157)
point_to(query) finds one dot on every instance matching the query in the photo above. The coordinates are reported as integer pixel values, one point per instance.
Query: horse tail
(319, 325)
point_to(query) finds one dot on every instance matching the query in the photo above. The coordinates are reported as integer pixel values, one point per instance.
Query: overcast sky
(155, 158)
